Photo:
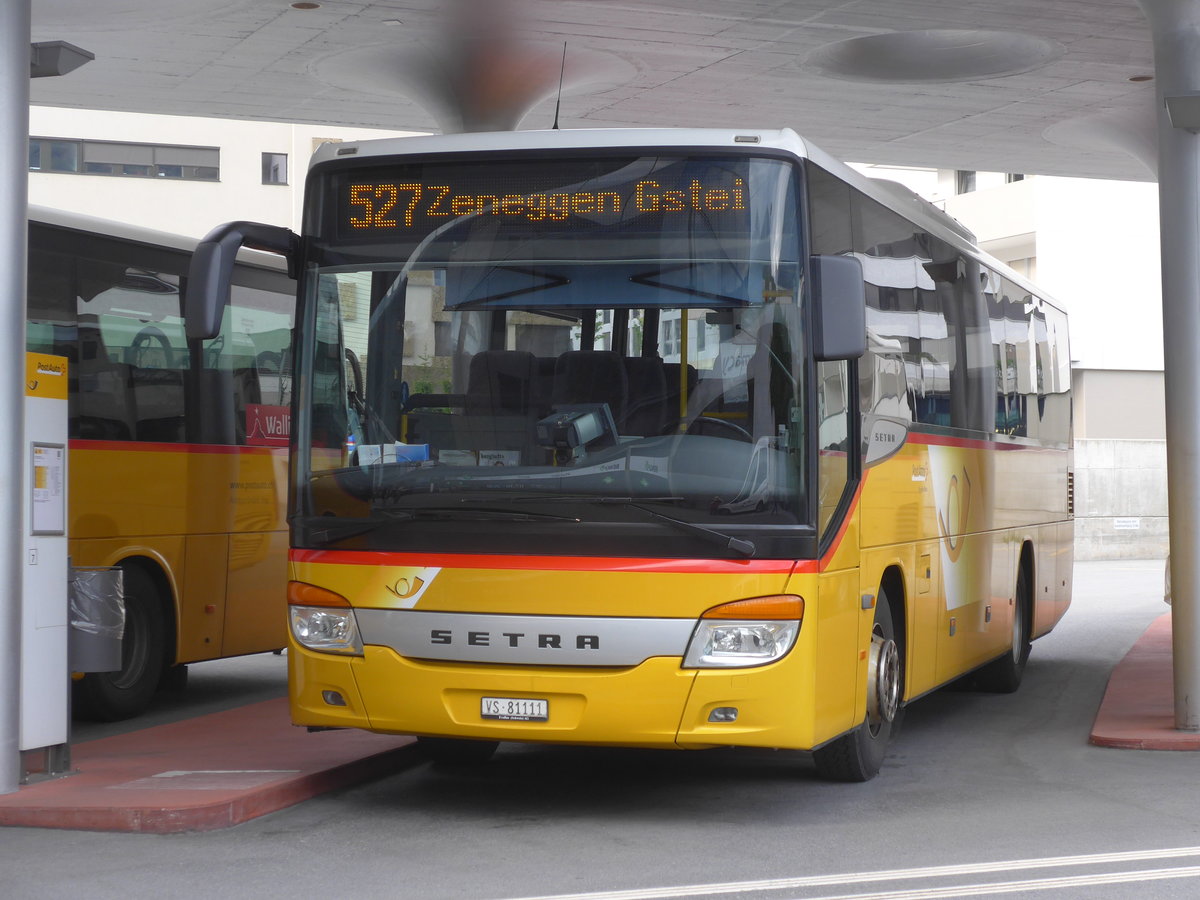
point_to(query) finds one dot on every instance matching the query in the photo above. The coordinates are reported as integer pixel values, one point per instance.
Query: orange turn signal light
(779, 606)
(300, 593)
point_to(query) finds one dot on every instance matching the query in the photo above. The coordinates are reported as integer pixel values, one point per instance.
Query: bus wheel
(112, 696)
(455, 751)
(858, 756)
(1003, 676)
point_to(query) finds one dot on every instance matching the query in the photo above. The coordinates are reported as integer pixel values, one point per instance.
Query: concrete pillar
(14, 168)
(1175, 25)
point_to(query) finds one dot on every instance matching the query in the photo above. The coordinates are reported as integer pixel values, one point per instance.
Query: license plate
(514, 709)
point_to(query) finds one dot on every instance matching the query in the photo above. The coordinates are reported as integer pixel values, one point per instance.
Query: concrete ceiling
(1035, 86)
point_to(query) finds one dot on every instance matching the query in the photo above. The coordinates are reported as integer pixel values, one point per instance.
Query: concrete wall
(1120, 465)
(1121, 405)
(1120, 499)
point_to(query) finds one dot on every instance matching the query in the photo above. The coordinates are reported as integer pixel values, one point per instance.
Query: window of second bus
(247, 368)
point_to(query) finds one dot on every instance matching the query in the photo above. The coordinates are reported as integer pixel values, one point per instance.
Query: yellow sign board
(45, 376)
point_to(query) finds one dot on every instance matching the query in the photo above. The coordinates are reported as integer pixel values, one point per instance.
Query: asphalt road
(982, 795)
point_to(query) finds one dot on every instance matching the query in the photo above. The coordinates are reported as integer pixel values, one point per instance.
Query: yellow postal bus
(178, 451)
(657, 438)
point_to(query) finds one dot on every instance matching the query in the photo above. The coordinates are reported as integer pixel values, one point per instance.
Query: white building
(173, 173)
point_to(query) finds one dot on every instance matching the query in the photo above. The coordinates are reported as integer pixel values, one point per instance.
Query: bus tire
(858, 755)
(1003, 676)
(174, 680)
(456, 751)
(112, 696)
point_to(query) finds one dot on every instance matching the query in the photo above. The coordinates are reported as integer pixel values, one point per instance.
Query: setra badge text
(446, 636)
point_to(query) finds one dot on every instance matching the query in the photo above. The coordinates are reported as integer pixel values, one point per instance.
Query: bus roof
(896, 197)
(123, 230)
(890, 194)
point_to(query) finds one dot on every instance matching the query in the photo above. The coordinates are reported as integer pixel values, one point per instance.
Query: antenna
(558, 100)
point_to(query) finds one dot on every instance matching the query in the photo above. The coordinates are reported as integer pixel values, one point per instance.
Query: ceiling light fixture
(48, 58)
(1184, 112)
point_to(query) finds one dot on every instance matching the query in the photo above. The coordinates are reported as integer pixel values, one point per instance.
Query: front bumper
(653, 704)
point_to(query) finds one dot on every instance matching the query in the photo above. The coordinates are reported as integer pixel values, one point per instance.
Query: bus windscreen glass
(556, 334)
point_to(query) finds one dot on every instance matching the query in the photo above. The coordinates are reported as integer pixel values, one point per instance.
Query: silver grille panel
(524, 640)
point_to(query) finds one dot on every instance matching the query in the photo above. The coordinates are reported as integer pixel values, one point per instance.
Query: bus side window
(132, 352)
(244, 390)
(833, 438)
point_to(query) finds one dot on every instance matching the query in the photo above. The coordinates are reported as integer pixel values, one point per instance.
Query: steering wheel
(140, 347)
(711, 426)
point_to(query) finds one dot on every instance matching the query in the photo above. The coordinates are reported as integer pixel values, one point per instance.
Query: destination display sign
(396, 205)
(412, 200)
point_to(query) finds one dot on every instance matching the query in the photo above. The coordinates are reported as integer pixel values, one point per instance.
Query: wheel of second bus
(112, 696)
(1003, 676)
(858, 756)
(457, 751)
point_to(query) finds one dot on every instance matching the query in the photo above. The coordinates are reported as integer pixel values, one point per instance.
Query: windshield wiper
(341, 529)
(726, 541)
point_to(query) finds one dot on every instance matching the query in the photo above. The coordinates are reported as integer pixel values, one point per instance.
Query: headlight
(327, 630)
(322, 620)
(717, 644)
(727, 636)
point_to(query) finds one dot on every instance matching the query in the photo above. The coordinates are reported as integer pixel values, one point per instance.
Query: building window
(1013, 177)
(274, 168)
(78, 157)
(964, 181)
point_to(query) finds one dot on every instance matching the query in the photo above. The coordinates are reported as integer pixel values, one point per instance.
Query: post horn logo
(958, 501)
(406, 588)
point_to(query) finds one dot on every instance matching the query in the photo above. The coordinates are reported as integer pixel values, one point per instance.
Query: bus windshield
(609, 343)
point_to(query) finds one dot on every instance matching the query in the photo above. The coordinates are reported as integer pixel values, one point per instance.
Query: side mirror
(211, 270)
(839, 299)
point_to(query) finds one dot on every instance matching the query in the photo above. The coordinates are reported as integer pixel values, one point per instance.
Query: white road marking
(1013, 887)
(782, 884)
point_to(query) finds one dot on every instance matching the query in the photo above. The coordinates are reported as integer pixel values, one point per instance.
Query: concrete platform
(1138, 709)
(203, 773)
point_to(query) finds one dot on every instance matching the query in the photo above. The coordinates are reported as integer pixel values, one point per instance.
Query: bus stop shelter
(1108, 89)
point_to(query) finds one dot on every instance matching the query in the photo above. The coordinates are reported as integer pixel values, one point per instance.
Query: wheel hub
(883, 673)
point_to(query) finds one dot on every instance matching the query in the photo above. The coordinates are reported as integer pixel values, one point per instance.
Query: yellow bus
(177, 453)
(658, 438)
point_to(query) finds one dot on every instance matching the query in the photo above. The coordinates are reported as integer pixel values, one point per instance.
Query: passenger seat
(591, 376)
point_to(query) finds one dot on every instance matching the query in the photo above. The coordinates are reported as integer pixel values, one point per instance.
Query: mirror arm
(211, 271)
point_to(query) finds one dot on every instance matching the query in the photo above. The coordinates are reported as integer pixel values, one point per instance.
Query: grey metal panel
(120, 154)
(187, 156)
(524, 640)
(14, 144)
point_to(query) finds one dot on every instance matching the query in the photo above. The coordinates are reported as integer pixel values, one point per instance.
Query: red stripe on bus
(552, 563)
(162, 447)
(942, 440)
(836, 545)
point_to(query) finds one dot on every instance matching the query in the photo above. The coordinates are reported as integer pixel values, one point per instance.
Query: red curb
(202, 774)
(1138, 709)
